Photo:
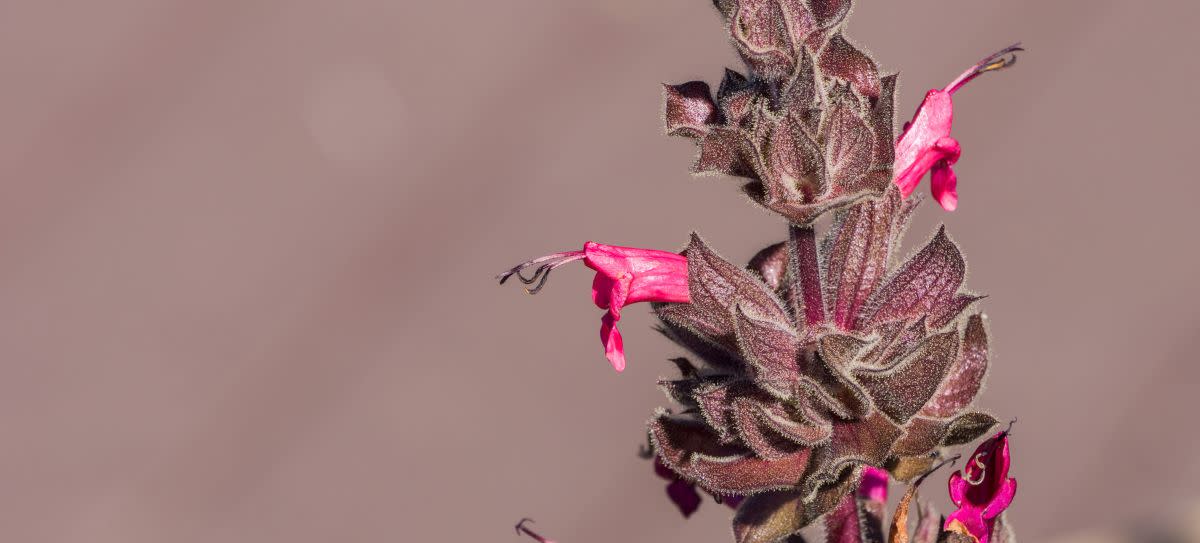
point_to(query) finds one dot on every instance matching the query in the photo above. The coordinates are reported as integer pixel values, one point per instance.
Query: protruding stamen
(522, 529)
(536, 273)
(545, 265)
(978, 462)
(991, 63)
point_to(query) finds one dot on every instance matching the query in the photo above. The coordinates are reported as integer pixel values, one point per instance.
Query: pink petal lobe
(944, 184)
(874, 485)
(602, 288)
(917, 150)
(684, 495)
(958, 489)
(1003, 498)
(614, 346)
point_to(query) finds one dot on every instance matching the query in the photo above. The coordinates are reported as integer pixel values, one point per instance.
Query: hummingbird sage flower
(624, 275)
(982, 490)
(926, 145)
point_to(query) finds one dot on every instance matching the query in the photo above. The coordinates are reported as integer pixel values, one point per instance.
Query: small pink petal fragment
(614, 345)
(874, 485)
(944, 184)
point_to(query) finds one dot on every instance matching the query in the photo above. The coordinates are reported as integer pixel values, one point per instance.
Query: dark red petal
(685, 496)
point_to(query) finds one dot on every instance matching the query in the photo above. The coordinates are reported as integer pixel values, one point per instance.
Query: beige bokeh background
(246, 250)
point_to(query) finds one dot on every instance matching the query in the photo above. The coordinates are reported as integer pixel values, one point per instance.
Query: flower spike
(826, 368)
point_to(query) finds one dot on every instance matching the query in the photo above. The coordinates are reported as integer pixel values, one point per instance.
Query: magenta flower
(624, 275)
(874, 484)
(926, 145)
(982, 490)
(684, 494)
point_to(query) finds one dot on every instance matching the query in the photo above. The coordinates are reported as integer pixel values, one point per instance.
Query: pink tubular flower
(624, 275)
(982, 490)
(926, 145)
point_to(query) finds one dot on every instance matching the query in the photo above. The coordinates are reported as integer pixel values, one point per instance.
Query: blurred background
(247, 249)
